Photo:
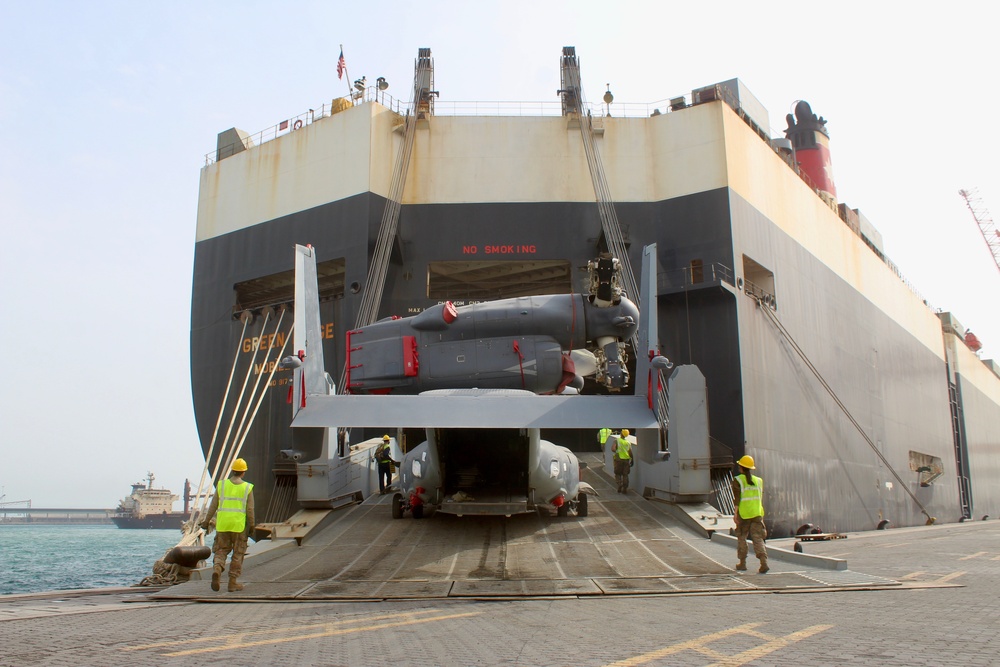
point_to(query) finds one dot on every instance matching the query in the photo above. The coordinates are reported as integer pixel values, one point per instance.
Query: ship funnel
(811, 141)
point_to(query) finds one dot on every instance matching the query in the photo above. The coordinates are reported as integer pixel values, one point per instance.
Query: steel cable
(798, 350)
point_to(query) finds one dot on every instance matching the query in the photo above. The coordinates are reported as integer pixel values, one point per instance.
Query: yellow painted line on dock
(360, 619)
(975, 555)
(700, 646)
(912, 575)
(238, 640)
(949, 577)
(891, 546)
(771, 646)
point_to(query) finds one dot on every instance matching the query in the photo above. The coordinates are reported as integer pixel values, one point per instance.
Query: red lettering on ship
(511, 249)
(506, 249)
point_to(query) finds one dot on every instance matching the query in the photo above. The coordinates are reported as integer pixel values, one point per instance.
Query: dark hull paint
(174, 520)
(817, 468)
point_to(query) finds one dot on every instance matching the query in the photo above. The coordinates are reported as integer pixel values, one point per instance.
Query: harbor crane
(986, 225)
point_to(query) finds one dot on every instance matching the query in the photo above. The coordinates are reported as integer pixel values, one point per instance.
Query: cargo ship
(148, 507)
(862, 405)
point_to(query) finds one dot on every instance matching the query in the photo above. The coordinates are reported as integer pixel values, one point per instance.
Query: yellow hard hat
(239, 465)
(746, 462)
(386, 438)
(624, 432)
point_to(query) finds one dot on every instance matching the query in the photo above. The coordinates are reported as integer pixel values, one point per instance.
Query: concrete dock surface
(627, 585)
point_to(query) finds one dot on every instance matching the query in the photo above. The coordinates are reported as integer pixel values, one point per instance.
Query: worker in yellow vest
(383, 457)
(621, 449)
(602, 436)
(748, 493)
(233, 501)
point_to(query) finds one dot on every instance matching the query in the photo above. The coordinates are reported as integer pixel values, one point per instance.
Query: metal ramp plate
(524, 588)
(263, 590)
(485, 508)
(333, 590)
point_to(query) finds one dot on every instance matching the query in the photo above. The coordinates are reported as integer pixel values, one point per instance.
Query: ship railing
(445, 108)
(694, 275)
(721, 462)
(308, 117)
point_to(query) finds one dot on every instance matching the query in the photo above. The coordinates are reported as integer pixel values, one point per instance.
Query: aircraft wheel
(397, 506)
(563, 510)
(417, 511)
(581, 505)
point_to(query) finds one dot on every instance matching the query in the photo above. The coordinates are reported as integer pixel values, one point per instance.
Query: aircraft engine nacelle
(521, 343)
(556, 475)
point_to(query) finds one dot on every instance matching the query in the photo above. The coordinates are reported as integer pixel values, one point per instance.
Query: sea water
(37, 558)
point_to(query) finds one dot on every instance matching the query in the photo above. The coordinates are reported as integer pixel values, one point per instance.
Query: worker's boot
(216, 575)
(763, 565)
(742, 565)
(234, 585)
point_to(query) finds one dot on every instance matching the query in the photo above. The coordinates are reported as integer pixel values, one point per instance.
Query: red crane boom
(985, 222)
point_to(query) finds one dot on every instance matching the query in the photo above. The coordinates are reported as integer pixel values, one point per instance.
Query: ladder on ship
(573, 105)
(422, 107)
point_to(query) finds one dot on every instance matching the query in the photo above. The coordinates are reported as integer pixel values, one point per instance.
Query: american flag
(341, 65)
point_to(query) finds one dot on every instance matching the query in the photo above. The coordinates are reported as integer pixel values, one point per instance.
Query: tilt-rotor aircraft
(468, 389)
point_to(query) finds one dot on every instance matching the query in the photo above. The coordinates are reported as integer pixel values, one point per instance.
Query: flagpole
(349, 89)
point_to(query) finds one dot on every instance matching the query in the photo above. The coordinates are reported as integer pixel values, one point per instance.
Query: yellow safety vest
(603, 435)
(232, 507)
(624, 450)
(751, 497)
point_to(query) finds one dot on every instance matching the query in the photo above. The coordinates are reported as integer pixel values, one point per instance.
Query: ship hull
(737, 231)
(172, 521)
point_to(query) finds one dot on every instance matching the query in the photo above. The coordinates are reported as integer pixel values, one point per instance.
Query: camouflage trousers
(224, 543)
(622, 467)
(755, 529)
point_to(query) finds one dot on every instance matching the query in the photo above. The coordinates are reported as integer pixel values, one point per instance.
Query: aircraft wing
(485, 411)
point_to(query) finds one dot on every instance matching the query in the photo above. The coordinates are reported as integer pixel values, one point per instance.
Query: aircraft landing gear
(401, 506)
(579, 506)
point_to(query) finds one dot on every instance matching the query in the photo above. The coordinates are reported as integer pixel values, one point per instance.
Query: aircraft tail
(311, 377)
(648, 336)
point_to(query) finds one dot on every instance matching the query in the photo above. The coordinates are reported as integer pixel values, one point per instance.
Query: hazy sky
(107, 110)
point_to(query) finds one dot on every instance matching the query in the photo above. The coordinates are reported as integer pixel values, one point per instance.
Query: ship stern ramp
(627, 546)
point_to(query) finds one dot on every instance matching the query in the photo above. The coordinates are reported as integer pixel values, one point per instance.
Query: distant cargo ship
(861, 404)
(147, 507)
